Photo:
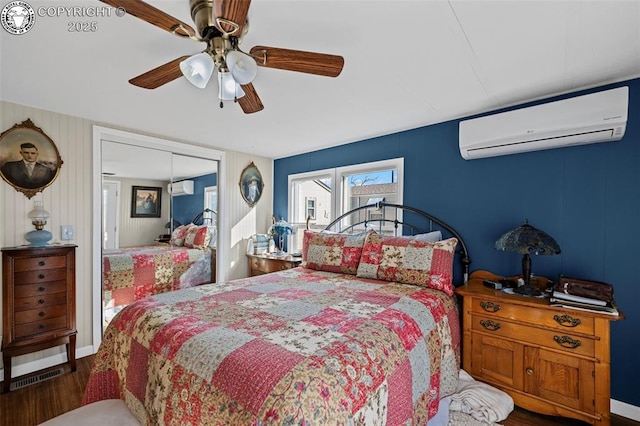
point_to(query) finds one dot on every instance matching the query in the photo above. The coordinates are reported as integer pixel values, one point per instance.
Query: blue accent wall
(586, 197)
(186, 207)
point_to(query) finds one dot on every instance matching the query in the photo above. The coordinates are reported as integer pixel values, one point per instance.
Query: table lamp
(38, 237)
(527, 240)
(280, 230)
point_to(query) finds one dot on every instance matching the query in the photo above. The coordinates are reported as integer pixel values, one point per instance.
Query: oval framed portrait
(29, 160)
(251, 184)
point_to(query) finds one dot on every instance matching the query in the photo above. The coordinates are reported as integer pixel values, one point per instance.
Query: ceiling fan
(222, 24)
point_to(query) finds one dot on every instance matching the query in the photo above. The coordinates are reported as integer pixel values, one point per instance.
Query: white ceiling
(128, 161)
(407, 64)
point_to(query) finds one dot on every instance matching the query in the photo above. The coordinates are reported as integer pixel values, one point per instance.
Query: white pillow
(430, 237)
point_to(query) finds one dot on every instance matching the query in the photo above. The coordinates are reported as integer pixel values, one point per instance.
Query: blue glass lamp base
(38, 238)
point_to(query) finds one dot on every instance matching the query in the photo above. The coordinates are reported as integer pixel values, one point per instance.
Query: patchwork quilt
(299, 346)
(134, 273)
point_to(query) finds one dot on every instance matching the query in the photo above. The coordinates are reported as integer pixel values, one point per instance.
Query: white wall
(135, 231)
(69, 200)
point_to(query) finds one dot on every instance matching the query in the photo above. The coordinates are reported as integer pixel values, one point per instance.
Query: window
(325, 194)
(311, 208)
(211, 203)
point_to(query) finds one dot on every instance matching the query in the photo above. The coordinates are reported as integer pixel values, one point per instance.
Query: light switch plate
(66, 232)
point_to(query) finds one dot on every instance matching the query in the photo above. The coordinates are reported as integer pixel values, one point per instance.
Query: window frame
(338, 175)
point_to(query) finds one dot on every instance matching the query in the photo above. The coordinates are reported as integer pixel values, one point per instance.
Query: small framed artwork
(29, 160)
(251, 184)
(146, 201)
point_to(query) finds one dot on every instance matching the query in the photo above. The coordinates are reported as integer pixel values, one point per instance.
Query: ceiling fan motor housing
(202, 15)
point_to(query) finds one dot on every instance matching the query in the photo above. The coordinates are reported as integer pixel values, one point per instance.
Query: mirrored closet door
(159, 219)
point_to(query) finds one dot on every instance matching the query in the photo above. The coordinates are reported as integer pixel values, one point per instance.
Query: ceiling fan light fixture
(243, 67)
(228, 89)
(198, 69)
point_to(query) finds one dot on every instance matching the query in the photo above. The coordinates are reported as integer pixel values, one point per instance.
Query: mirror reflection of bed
(142, 256)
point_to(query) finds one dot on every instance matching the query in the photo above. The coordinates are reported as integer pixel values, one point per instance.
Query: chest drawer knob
(490, 306)
(41, 326)
(41, 301)
(567, 320)
(41, 276)
(41, 314)
(567, 342)
(529, 371)
(41, 263)
(490, 325)
(41, 288)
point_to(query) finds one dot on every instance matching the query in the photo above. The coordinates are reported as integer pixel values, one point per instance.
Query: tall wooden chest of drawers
(551, 360)
(38, 302)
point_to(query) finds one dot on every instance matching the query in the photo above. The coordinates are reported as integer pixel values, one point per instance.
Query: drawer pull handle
(41, 301)
(41, 326)
(490, 325)
(567, 342)
(567, 320)
(41, 288)
(41, 276)
(41, 314)
(41, 263)
(490, 306)
(529, 371)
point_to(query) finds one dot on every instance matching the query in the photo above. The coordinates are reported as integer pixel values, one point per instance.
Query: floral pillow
(409, 260)
(197, 237)
(332, 252)
(178, 235)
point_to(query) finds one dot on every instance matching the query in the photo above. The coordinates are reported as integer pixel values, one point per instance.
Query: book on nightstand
(561, 299)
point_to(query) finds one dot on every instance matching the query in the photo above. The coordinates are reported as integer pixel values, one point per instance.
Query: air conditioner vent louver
(597, 117)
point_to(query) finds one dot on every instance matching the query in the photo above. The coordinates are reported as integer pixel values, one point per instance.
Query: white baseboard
(617, 407)
(625, 410)
(50, 361)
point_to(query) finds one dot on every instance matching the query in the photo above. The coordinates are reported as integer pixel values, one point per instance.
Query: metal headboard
(361, 218)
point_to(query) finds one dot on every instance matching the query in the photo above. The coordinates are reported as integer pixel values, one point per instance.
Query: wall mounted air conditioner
(184, 187)
(596, 117)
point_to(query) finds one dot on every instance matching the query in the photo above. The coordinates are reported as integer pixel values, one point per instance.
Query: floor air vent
(28, 381)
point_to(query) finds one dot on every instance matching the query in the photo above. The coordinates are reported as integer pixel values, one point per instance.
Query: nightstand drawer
(44, 300)
(533, 335)
(569, 322)
(39, 263)
(263, 265)
(30, 277)
(43, 326)
(41, 289)
(40, 314)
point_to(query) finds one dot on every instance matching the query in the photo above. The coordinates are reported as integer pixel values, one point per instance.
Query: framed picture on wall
(29, 160)
(251, 184)
(146, 201)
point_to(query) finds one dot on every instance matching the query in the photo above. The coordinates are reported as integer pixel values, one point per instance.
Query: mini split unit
(597, 117)
(184, 187)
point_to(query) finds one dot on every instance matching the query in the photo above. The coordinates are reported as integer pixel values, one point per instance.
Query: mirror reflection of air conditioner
(184, 187)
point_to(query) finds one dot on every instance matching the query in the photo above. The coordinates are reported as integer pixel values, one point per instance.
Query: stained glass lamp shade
(527, 240)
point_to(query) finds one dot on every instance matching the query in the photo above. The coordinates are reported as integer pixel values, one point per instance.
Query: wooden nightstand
(551, 360)
(38, 302)
(264, 263)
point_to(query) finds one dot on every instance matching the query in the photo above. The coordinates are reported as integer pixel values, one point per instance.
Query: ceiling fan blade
(154, 16)
(298, 60)
(160, 75)
(250, 102)
(229, 13)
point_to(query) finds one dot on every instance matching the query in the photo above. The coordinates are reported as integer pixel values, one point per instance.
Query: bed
(130, 274)
(335, 341)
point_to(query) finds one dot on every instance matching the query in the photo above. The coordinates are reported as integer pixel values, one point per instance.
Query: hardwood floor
(42, 401)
